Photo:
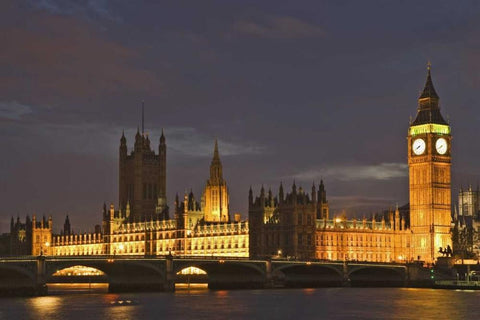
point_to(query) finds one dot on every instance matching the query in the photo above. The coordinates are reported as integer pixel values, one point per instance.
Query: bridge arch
(121, 274)
(225, 274)
(311, 266)
(191, 275)
(308, 275)
(14, 272)
(110, 267)
(19, 279)
(377, 276)
(213, 266)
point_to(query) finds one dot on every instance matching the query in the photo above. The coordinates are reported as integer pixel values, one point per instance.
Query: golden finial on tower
(429, 65)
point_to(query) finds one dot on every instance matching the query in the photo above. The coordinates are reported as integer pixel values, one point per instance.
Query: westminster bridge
(30, 274)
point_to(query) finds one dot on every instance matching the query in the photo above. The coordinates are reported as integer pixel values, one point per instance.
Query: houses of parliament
(293, 223)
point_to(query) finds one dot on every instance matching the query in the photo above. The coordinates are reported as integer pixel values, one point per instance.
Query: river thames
(322, 303)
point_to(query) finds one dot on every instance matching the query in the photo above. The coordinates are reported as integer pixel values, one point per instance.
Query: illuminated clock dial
(418, 146)
(441, 146)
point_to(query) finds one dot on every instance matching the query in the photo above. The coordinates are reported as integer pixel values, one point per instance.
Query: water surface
(323, 303)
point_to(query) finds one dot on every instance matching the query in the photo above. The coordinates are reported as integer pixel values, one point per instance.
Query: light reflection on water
(62, 288)
(44, 307)
(325, 303)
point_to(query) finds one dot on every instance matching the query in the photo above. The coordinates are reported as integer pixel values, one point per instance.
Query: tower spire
(216, 165)
(428, 110)
(215, 151)
(162, 138)
(429, 90)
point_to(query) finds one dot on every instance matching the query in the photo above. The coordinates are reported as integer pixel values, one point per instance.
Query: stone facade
(466, 224)
(295, 226)
(156, 237)
(32, 237)
(142, 179)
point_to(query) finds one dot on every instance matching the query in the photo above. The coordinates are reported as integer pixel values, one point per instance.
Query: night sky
(299, 90)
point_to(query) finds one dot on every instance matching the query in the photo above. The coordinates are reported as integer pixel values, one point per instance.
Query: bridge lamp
(400, 258)
(308, 263)
(338, 220)
(279, 252)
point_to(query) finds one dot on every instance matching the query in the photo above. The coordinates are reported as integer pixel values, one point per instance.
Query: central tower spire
(215, 196)
(216, 175)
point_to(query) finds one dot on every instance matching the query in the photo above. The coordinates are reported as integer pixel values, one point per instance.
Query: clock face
(418, 146)
(441, 146)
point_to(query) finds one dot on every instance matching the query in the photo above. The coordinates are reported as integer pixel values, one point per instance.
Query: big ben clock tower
(429, 161)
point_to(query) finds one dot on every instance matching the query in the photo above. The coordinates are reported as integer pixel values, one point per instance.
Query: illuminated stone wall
(159, 238)
(78, 245)
(363, 240)
(287, 227)
(41, 236)
(215, 195)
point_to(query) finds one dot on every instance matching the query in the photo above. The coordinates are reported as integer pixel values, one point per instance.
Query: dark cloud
(59, 59)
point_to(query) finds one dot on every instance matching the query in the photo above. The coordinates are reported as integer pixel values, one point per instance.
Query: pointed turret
(138, 141)
(428, 110)
(262, 197)
(123, 149)
(66, 226)
(162, 207)
(397, 218)
(147, 142)
(270, 197)
(123, 140)
(429, 89)
(216, 175)
(162, 138)
(314, 193)
(250, 196)
(322, 194)
(215, 151)
(280, 193)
